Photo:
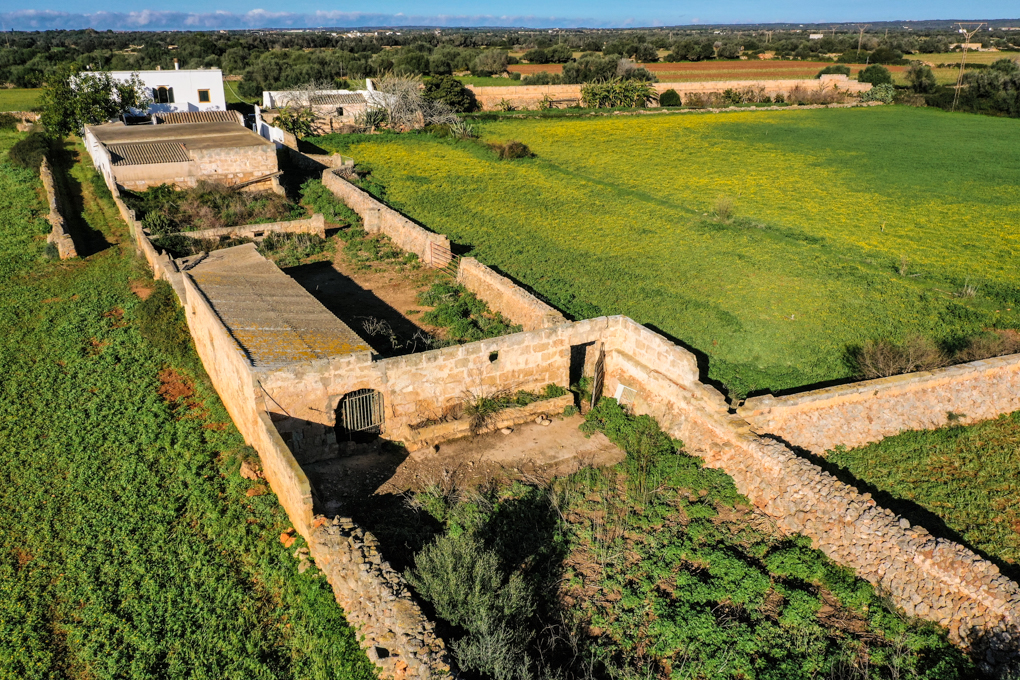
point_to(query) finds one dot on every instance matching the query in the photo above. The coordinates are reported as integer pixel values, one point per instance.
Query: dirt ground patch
(142, 289)
(379, 303)
(174, 387)
(530, 451)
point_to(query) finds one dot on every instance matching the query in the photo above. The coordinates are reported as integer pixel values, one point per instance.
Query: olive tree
(76, 98)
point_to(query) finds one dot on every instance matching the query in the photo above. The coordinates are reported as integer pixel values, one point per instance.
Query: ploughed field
(772, 242)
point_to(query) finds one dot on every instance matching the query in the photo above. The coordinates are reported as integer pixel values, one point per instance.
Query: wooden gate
(362, 411)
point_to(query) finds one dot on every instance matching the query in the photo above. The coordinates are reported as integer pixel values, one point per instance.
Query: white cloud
(35, 20)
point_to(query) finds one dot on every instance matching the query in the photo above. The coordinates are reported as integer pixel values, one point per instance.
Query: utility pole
(860, 41)
(963, 60)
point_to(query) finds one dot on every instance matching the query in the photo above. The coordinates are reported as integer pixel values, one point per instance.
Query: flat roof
(215, 135)
(273, 319)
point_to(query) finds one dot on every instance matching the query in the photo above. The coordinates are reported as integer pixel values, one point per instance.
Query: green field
(19, 99)
(130, 546)
(965, 478)
(846, 225)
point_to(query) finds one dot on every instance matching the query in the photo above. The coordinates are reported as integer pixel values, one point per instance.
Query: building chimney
(177, 67)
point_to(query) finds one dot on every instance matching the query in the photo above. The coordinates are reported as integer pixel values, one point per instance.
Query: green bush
(670, 98)
(316, 196)
(462, 314)
(884, 93)
(451, 92)
(161, 321)
(834, 69)
(876, 74)
(29, 152)
(8, 122)
(921, 78)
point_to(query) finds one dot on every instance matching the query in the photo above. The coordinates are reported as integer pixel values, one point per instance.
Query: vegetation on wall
(130, 546)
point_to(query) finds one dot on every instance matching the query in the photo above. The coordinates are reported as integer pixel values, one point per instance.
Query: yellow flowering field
(845, 225)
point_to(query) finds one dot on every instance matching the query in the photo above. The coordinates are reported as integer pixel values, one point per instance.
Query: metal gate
(362, 411)
(599, 376)
(443, 259)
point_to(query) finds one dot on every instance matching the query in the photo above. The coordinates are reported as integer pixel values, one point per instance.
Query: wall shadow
(915, 513)
(70, 200)
(388, 332)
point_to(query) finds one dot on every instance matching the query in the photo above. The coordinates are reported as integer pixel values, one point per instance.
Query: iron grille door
(363, 411)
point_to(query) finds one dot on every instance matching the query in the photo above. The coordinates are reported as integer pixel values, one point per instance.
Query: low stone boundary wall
(506, 297)
(378, 603)
(934, 579)
(865, 412)
(529, 96)
(316, 224)
(380, 218)
(59, 235)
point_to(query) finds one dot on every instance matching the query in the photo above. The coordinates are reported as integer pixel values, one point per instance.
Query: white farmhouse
(181, 89)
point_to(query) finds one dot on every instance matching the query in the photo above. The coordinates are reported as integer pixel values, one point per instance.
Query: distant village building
(183, 154)
(180, 89)
(816, 36)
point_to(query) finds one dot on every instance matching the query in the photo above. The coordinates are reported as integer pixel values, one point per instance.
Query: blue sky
(196, 14)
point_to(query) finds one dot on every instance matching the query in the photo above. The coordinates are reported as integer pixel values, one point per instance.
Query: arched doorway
(359, 415)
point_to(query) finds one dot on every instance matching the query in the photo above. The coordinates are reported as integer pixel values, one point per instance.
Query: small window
(163, 95)
(203, 96)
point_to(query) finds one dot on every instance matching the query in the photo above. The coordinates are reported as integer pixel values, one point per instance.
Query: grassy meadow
(130, 546)
(15, 99)
(769, 241)
(962, 481)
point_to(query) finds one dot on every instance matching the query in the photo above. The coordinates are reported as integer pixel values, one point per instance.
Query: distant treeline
(275, 60)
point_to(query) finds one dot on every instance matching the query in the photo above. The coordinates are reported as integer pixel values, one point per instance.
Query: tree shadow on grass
(71, 200)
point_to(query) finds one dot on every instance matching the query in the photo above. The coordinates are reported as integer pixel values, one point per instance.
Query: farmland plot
(769, 241)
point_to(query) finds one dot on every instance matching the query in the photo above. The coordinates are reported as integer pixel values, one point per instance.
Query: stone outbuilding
(140, 156)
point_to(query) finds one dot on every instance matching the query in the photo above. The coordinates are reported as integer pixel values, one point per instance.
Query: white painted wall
(186, 84)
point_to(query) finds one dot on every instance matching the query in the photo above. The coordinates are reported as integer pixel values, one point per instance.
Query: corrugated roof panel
(336, 99)
(147, 153)
(182, 117)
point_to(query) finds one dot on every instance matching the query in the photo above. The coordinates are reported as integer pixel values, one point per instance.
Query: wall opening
(359, 416)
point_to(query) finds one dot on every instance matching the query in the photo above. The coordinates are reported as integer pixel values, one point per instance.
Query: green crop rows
(845, 225)
(129, 546)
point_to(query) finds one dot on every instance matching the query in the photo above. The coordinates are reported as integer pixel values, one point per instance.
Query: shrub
(466, 584)
(451, 92)
(512, 149)
(883, 358)
(298, 120)
(542, 78)
(462, 314)
(161, 322)
(994, 343)
(834, 69)
(617, 92)
(29, 152)
(669, 98)
(921, 78)
(8, 122)
(884, 93)
(876, 74)
(489, 62)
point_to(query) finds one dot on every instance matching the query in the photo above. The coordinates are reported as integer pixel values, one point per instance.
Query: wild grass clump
(161, 322)
(483, 409)
(627, 571)
(511, 150)
(316, 196)
(462, 315)
(165, 209)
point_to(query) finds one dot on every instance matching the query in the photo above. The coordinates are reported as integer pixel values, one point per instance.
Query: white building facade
(181, 89)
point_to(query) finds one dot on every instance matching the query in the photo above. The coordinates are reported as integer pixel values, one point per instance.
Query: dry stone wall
(380, 218)
(935, 579)
(504, 296)
(316, 224)
(867, 411)
(529, 96)
(59, 236)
